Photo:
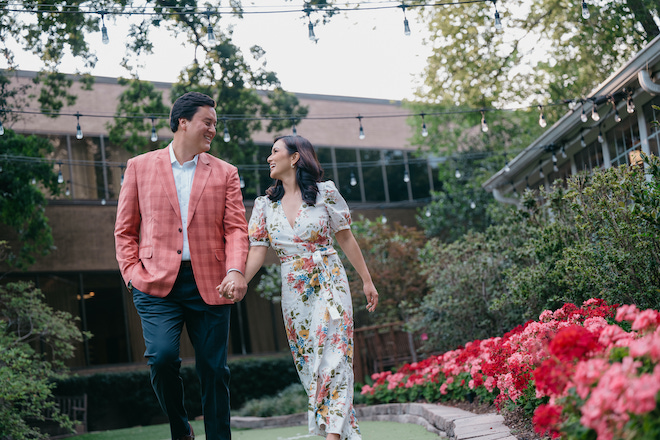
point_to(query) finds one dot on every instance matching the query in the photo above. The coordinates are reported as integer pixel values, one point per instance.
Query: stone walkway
(445, 421)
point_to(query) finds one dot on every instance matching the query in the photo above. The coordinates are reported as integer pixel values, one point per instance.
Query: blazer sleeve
(235, 224)
(127, 224)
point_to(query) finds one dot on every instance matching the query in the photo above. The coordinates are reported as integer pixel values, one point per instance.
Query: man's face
(200, 130)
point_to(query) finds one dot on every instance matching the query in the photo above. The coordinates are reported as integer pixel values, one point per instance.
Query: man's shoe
(190, 436)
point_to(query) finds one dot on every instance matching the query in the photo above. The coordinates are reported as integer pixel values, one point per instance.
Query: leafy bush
(119, 400)
(291, 400)
(26, 387)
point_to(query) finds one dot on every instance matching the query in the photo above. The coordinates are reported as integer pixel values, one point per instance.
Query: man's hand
(233, 287)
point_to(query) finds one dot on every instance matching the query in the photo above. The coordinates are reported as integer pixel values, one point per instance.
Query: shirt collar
(173, 156)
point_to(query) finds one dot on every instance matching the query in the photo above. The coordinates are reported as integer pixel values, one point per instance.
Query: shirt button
(179, 251)
(180, 230)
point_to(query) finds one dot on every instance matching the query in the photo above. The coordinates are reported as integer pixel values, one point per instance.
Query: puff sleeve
(338, 211)
(257, 231)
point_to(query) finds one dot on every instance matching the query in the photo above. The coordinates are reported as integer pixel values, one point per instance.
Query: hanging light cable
(484, 124)
(617, 117)
(542, 122)
(79, 133)
(406, 26)
(104, 30)
(154, 134)
(425, 132)
(361, 133)
(293, 128)
(498, 22)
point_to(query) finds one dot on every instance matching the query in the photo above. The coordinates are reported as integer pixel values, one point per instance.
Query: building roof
(567, 130)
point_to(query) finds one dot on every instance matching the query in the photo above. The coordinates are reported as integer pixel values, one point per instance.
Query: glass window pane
(373, 175)
(346, 166)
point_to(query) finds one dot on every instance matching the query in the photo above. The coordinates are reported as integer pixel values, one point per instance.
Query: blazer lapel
(202, 173)
(164, 167)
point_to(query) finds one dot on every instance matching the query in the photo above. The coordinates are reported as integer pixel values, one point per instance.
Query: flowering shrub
(584, 372)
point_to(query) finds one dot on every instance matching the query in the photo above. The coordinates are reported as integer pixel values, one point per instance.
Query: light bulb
(406, 27)
(515, 193)
(585, 11)
(406, 176)
(103, 202)
(594, 113)
(383, 219)
(2, 129)
(79, 133)
(104, 35)
(310, 26)
(457, 173)
(617, 118)
(121, 182)
(541, 175)
(361, 135)
(600, 137)
(473, 205)
(507, 168)
(542, 122)
(583, 116)
(154, 135)
(353, 180)
(428, 212)
(583, 143)
(630, 106)
(67, 192)
(209, 33)
(295, 130)
(555, 168)
(563, 153)
(34, 181)
(498, 22)
(425, 131)
(242, 182)
(484, 125)
(225, 135)
(554, 158)
(60, 177)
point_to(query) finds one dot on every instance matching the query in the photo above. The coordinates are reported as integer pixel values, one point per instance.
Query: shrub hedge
(125, 399)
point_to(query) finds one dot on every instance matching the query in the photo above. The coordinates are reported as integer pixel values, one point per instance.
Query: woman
(298, 217)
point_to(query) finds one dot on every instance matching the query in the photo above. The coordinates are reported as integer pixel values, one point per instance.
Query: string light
(60, 177)
(583, 143)
(406, 176)
(484, 124)
(353, 179)
(242, 182)
(225, 134)
(585, 10)
(425, 132)
(563, 152)
(361, 134)
(68, 191)
(79, 133)
(2, 129)
(154, 135)
(594, 113)
(507, 168)
(383, 219)
(472, 204)
(583, 116)
(630, 105)
(293, 129)
(121, 181)
(104, 30)
(542, 122)
(457, 174)
(541, 175)
(406, 26)
(428, 212)
(600, 135)
(617, 118)
(498, 22)
(310, 25)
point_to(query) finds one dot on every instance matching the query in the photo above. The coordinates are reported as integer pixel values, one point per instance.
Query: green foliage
(138, 98)
(26, 375)
(22, 203)
(269, 286)
(391, 254)
(291, 400)
(128, 396)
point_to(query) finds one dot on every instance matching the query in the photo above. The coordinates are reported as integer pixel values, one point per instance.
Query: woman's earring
(293, 165)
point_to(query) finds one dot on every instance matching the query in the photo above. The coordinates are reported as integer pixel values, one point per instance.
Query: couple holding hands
(186, 253)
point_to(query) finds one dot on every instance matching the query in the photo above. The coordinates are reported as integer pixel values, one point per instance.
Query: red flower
(573, 343)
(547, 419)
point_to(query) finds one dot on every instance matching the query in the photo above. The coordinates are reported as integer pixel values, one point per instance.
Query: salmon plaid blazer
(149, 233)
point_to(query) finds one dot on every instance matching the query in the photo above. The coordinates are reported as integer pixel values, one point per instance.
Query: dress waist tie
(317, 257)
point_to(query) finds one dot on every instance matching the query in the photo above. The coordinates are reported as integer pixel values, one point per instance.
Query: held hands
(372, 295)
(233, 287)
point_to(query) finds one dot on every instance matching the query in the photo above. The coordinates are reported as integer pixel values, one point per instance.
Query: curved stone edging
(446, 421)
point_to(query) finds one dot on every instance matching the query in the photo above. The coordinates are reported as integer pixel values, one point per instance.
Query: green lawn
(370, 431)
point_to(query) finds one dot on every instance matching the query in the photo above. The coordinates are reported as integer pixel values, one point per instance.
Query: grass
(152, 432)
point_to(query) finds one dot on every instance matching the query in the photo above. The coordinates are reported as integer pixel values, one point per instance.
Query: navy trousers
(208, 328)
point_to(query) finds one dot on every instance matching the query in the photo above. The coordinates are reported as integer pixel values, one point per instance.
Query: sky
(359, 53)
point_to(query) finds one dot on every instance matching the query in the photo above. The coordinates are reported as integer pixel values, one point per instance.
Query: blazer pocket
(145, 252)
(220, 255)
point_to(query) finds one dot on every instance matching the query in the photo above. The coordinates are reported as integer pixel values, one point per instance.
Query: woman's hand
(372, 296)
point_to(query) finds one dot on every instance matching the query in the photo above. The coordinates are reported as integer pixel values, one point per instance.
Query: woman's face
(280, 161)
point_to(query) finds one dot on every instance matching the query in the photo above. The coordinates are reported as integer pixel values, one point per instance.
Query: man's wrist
(234, 270)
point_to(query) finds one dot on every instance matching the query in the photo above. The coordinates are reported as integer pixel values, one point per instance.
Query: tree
(34, 341)
(24, 176)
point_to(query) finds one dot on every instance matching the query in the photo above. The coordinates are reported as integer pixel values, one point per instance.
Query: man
(180, 231)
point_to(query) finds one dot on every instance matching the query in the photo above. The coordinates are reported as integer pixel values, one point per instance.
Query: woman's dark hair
(308, 170)
(186, 106)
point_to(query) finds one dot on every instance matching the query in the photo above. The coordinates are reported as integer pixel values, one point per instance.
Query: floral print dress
(316, 303)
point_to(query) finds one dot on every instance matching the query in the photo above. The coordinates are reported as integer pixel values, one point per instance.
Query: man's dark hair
(186, 106)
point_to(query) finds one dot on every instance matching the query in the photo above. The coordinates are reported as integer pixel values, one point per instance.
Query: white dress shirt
(183, 179)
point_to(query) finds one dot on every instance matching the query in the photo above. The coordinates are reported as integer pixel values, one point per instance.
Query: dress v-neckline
(295, 219)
